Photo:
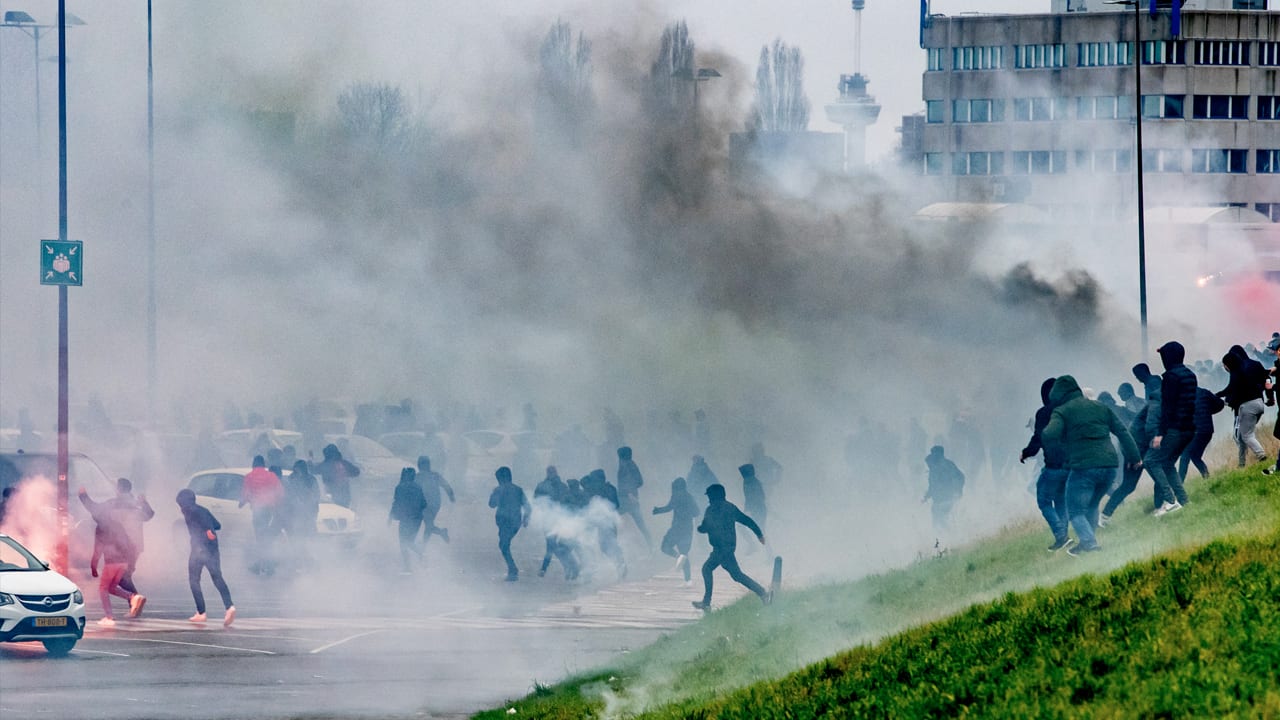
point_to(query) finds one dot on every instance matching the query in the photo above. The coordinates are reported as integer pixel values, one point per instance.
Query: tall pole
(60, 555)
(1142, 214)
(151, 233)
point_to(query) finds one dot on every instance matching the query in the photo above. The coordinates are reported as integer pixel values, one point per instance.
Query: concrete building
(1039, 109)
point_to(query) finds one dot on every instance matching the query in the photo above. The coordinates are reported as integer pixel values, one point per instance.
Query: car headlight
(6, 599)
(77, 597)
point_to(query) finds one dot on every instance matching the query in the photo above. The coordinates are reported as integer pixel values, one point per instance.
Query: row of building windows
(1054, 162)
(1108, 54)
(1104, 107)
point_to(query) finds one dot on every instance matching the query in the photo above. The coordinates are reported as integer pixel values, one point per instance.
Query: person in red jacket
(263, 491)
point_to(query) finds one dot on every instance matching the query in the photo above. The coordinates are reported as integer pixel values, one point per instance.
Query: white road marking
(219, 647)
(99, 652)
(336, 643)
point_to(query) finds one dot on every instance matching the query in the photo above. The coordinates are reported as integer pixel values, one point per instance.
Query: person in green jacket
(1082, 428)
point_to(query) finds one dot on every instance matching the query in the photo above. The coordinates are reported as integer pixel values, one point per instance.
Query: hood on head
(1142, 372)
(1045, 387)
(331, 452)
(186, 498)
(1172, 354)
(503, 474)
(747, 470)
(624, 453)
(1064, 389)
(678, 485)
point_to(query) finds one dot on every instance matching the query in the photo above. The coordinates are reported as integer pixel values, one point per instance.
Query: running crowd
(1164, 432)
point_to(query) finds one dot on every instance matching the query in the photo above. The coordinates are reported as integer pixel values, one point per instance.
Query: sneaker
(1059, 545)
(1165, 508)
(1269, 471)
(197, 618)
(444, 534)
(680, 561)
(135, 604)
(107, 622)
(1079, 550)
(229, 617)
(1104, 520)
(700, 605)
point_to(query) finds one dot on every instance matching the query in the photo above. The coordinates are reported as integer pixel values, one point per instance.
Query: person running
(118, 555)
(512, 514)
(629, 482)
(719, 524)
(203, 528)
(679, 538)
(1082, 428)
(1142, 429)
(1207, 405)
(1176, 427)
(753, 494)
(1051, 485)
(131, 512)
(432, 484)
(337, 473)
(263, 493)
(549, 503)
(946, 485)
(406, 508)
(1244, 393)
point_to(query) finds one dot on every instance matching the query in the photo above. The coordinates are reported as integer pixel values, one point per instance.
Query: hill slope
(682, 674)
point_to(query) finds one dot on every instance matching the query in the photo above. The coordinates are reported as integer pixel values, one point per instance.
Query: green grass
(694, 671)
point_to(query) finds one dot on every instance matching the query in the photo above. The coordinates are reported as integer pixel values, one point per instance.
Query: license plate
(51, 622)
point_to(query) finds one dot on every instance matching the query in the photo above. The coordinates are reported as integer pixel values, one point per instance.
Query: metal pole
(151, 233)
(1142, 213)
(60, 555)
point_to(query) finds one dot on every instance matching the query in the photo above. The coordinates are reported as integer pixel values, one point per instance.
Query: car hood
(28, 582)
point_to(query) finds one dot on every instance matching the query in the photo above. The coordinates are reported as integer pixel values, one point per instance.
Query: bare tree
(375, 114)
(780, 100)
(672, 71)
(565, 79)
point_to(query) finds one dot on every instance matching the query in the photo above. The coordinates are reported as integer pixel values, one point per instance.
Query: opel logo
(48, 602)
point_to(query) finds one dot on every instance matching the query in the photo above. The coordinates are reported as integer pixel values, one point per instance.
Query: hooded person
(629, 483)
(677, 541)
(263, 493)
(549, 506)
(1141, 429)
(112, 542)
(433, 484)
(719, 523)
(337, 473)
(1051, 485)
(1207, 405)
(1175, 429)
(511, 513)
(753, 501)
(700, 477)
(406, 508)
(1082, 429)
(203, 529)
(605, 518)
(1246, 387)
(946, 484)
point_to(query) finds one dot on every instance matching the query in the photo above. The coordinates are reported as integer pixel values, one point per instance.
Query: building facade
(1040, 109)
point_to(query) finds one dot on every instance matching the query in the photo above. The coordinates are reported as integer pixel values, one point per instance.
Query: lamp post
(1142, 211)
(151, 234)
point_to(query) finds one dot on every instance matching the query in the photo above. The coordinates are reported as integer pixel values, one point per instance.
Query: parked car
(219, 491)
(237, 447)
(527, 453)
(34, 474)
(37, 603)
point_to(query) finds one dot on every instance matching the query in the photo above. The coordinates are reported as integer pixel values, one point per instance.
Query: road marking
(336, 643)
(219, 647)
(99, 652)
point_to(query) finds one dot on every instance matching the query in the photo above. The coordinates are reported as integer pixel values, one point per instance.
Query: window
(1040, 56)
(933, 163)
(1104, 107)
(934, 111)
(1269, 107)
(977, 163)
(1271, 210)
(935, 58)
(981, 57)
(1038, 162)
(1104, 161)
(1163, 106)
(1248, 4)
(1268, 162)
(1269, 54)
(1164, 52)
(1099, 54)
(978, 110)
(1218, 161)
(1220, 107)
(1162, 160)
(1222, 52)
(1039, 109)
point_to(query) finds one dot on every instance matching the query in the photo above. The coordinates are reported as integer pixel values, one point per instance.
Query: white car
(219, 491)
(37, 603)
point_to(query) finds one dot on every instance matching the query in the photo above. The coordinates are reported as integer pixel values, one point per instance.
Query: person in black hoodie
(1207, 405)
(719, 524)
(1176, 427)
(629, 482)
(406, 507)
(679, 538)
(1141, 429)
(512, 513)
(1051, 486)
(1244, 391)
(203, 528)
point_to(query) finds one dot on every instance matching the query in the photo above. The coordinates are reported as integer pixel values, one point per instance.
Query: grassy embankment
(1160, 617)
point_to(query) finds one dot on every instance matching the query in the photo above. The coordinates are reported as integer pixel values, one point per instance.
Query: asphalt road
(349, 640)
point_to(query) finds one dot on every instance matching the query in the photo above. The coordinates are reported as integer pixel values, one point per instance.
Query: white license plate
(51, 622)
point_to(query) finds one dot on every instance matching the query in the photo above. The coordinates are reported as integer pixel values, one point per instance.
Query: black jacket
(719, 521)
(409, 502)
(1177, 391)
(1054, 457)
(1207, 405)
(1247, 381)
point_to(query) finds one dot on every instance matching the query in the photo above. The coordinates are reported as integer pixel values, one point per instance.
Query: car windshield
(15, 558)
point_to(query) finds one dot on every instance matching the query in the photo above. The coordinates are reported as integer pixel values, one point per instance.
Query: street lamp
(28, 25)
(151, 233)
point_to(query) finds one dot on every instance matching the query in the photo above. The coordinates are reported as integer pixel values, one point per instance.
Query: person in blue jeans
(1082, 428)
(1051, 486)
